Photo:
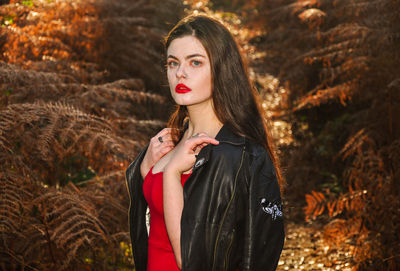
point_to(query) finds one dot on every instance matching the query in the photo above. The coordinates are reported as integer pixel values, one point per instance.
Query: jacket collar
(225, 135)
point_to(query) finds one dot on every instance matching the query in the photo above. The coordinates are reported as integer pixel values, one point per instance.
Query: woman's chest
(160, 165)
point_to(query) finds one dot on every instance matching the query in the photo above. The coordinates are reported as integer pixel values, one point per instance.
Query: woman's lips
(181, 88)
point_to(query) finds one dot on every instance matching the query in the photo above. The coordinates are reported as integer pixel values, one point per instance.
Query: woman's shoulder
(258, 158)
(254, 148)
(234, 144)
(252, 154)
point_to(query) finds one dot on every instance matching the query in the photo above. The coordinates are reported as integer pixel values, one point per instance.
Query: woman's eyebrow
(187, 57)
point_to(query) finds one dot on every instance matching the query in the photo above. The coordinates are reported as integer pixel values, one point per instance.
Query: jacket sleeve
(137, 212)
(264, 231)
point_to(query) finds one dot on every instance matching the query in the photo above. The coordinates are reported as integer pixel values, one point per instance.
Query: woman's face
(189, 72)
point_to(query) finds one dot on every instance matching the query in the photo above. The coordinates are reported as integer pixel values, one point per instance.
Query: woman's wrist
(169, 171)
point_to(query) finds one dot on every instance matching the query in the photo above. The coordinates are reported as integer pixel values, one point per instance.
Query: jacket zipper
(227, 208)
(229, 250)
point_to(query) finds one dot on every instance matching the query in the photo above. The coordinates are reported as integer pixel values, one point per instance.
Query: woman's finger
(204, 139)
(161, 140)
(166, 150)
(167, 137)
(163, 136)
(201, 134)
(165, 131)
(199, 147)
(162, 146)
(168, 145)
(203, 145)
(194, 142)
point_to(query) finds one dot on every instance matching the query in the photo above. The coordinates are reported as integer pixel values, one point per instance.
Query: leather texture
(232, 216)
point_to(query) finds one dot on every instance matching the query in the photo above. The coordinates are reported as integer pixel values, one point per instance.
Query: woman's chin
(182, 102)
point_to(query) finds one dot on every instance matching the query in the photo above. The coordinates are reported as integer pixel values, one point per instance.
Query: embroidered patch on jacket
(272, 208)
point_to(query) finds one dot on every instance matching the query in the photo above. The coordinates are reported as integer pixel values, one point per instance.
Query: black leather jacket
(232, 216)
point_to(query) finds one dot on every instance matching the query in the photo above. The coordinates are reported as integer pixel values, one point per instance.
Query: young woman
(210, 179)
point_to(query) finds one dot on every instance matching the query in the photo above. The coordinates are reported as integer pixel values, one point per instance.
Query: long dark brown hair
(236, 102)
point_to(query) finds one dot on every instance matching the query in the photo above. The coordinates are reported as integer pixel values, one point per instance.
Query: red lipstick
(181, 88)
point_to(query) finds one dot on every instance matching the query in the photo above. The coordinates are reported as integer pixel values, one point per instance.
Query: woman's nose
(180, 72)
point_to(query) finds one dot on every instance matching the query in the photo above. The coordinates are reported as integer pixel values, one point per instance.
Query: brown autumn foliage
(81, 91)
(340, 62)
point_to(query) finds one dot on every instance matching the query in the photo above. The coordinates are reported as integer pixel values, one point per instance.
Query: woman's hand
(184, 156)
(157, 149)
(182, 160)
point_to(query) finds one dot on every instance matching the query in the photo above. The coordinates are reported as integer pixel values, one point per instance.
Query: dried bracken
(81, 91)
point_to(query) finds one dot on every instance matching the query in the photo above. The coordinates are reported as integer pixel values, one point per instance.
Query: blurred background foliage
(82, 89)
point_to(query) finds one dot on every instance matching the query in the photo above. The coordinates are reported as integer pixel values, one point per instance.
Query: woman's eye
(172, 64)
(196, 63)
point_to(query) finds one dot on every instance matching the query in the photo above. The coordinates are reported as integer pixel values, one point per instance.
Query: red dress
(160, 253)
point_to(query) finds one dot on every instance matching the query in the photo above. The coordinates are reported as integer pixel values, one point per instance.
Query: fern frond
(317, 203)
(15, 76)
(356, 143)
(340, 92)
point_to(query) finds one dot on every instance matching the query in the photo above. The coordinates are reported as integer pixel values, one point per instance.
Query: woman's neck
(202, 119)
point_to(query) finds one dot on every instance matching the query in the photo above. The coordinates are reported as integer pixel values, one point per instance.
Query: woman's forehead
(186, 46)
